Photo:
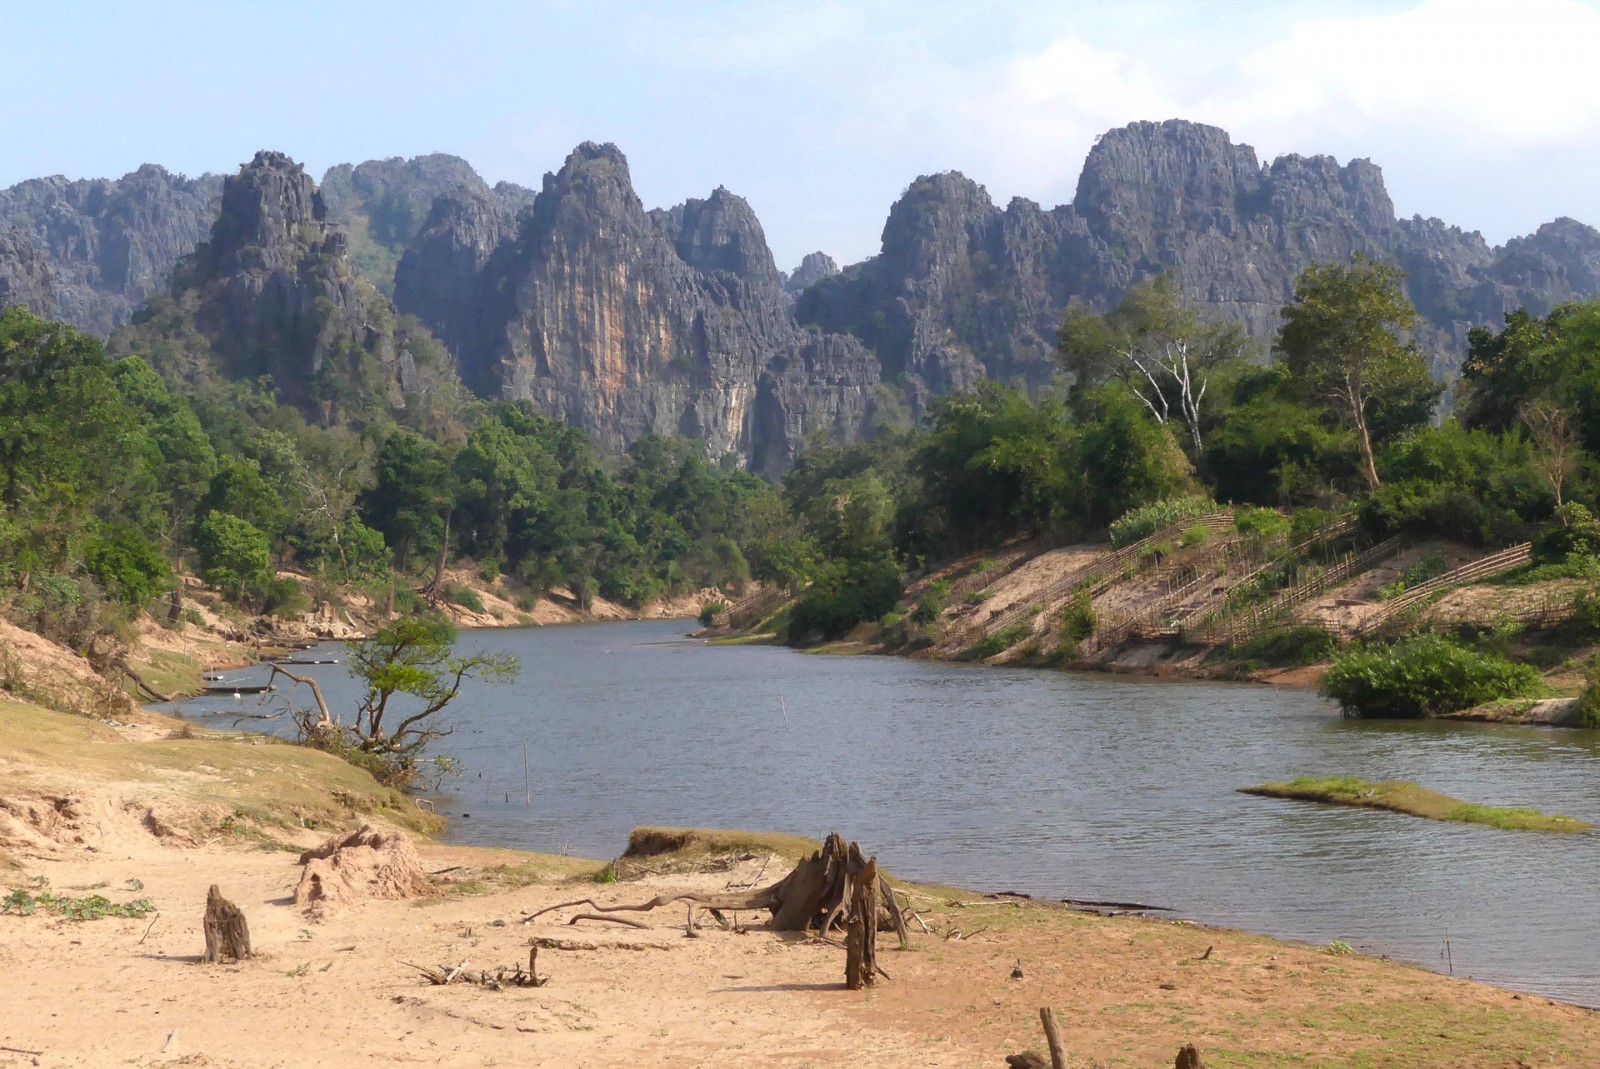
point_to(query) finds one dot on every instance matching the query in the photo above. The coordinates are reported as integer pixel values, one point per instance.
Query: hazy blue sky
(1483, 112)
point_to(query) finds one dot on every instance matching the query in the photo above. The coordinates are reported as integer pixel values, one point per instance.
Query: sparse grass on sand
(267, 780)
(1400, 796)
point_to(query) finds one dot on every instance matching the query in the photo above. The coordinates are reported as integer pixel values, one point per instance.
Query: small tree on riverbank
(414, 657)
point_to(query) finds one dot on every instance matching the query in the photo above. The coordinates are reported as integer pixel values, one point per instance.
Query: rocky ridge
(628, 322)
(273, 293)
(90, 251)
(963, 288)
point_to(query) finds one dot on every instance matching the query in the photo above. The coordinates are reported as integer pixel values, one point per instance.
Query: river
(1049, 783)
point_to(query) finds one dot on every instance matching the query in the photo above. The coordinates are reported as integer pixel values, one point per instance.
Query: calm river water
(1053, 784)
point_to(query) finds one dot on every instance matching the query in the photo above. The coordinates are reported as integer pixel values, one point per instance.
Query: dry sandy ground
(1128, 991)
(91, 994)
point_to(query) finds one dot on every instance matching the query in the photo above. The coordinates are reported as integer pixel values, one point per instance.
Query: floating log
(227, 934)
(256, 688)
(304, 660)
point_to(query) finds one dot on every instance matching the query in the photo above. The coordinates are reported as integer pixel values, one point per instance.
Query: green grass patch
(1400, 796)
(87, 908)
(651, 841)
(998, 642)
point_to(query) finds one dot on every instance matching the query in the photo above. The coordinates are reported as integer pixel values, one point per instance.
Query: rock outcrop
(273, 293)
(26, 277)
(814, 267)
(106, 244)
(963, 288)
(384, 203)
(629, 322)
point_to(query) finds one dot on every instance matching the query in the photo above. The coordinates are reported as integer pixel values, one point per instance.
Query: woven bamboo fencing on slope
(1093, 575)
(1411, 601)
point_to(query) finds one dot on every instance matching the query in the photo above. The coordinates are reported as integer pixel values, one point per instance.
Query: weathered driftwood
(814, 895)
(1032, 1059)
(1052, 1037)
(861, 945)
(504, 976)
(227, 934)
(1028, 1059)
(609, 920)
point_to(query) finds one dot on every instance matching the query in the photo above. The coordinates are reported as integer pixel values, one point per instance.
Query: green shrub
(1262, 524)
(128, 567)
(1078, 620)
(1286, 646)
(464, 596)
(1306, 522)
(711, 610)
(1574, 532)
(998, 642)
(1424, 675)
(1148, 519)
(845, 593)
(1588, 715)
(284, 598)
(892, 630)
(1198, 535)
(932, 602)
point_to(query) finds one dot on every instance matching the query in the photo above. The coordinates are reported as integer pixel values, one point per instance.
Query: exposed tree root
(814, 895)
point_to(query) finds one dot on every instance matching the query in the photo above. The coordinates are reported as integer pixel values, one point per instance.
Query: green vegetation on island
(1399, 796)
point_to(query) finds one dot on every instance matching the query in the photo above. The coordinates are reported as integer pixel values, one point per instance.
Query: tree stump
(227, 934)
(1189, 1058)
(1028, 1059)
(861, 946)
(1052, 1038)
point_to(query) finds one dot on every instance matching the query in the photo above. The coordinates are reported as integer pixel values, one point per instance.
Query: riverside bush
(1287, 646)
(1078, 620)
(1424, 675)
(932, 602)
(1148, 519)
(843, 595)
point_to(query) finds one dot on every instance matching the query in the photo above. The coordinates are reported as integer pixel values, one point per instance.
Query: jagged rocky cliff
(625, 321)
(384, 203)
(963, 288)
(90, 251)
(273, 294)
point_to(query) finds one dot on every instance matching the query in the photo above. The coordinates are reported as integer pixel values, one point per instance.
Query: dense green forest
(114, 477)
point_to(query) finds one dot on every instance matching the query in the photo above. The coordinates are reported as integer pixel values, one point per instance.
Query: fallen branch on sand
(504, 976)
(612, 920)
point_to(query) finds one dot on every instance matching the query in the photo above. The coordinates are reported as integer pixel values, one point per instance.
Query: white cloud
(1522, 72)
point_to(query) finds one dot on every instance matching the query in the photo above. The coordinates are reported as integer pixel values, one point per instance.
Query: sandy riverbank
(177, 814)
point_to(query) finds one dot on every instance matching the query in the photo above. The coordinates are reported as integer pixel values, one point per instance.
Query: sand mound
(368, 863)
(35, 669)
(41, 825)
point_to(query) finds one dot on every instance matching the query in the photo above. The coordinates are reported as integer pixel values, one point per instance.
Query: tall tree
(1344, 343)
(1155, 343)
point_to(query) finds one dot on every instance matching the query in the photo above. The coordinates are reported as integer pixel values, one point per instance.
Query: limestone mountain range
(627, 321)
